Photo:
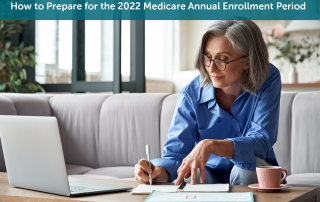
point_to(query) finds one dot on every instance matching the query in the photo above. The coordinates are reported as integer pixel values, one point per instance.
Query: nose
(212, 67)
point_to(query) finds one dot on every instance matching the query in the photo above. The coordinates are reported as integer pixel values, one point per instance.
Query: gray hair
(246, 38)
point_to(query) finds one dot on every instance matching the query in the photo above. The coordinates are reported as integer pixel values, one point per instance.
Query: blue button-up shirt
(252, 126)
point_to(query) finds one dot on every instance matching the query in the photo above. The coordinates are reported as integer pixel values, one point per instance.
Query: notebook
(156, 196)
(184, 187)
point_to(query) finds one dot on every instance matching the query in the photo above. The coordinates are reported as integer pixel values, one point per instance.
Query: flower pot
(293, 75)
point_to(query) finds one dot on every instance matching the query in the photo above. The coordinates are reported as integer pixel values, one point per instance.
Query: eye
(208, 55)
(223, 58)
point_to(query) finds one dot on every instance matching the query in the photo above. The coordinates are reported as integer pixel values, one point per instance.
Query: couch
(104, 136)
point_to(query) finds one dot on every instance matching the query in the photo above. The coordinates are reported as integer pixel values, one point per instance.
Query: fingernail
(201, 181)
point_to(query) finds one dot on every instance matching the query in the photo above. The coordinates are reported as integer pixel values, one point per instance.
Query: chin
(218, 84)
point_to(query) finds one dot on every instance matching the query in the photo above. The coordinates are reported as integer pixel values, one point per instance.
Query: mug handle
(284, 177)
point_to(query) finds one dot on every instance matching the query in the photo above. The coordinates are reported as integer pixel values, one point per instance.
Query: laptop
(34, 158)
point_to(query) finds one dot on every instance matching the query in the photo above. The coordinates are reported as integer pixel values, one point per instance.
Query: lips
(216, 77)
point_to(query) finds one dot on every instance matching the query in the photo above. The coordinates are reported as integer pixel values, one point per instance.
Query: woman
(226, 120)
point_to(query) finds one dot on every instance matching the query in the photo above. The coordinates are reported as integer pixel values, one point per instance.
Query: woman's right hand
(142, 171)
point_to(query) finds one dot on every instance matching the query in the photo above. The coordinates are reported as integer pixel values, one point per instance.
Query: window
(86, 56)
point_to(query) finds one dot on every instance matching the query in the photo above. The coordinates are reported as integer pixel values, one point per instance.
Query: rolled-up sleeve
(181, 136)
(262, 134)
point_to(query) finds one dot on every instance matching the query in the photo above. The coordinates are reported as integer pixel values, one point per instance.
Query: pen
(148, 155)
(182, 185)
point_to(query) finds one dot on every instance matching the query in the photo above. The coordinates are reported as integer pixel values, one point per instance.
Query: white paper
(181, 196)
(206, 187)
(147, 189)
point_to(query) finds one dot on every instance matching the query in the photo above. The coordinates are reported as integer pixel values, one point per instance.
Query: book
(184, 187)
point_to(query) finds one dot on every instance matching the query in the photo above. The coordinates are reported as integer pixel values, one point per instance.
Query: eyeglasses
(221, 65)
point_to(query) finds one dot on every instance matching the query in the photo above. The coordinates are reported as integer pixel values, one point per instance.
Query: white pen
(148, 155)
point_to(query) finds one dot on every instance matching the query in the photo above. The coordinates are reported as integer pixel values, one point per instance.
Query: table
(11, 194)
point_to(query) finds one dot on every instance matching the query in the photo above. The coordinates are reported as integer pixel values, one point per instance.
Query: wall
(192, 31)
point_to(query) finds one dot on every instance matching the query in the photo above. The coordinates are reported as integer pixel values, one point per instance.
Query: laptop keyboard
(81, 189)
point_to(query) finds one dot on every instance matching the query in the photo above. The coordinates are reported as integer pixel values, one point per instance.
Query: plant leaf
(24, 74)
(17, 61)
(17, 82)
(21, 45)
(21, 75)
(30, 48)
(3, 56)
(8, 44)
(2, 86)
(32, 56)
(40, 87)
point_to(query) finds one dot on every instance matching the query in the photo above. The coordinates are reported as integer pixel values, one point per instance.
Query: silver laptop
(34, 158)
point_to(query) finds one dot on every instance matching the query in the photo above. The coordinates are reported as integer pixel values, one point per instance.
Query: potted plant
(13, 76)
(291, 51)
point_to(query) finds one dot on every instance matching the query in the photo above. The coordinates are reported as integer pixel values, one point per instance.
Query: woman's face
(219, 47)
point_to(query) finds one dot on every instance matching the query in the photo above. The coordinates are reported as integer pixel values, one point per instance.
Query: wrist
(211, 146)
(164, 175)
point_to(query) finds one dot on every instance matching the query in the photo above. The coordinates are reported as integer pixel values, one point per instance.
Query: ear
(247, 63)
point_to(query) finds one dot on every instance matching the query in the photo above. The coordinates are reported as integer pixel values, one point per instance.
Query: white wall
(190, 36)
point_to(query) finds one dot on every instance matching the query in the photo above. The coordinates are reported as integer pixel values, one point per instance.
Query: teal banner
(159, 10)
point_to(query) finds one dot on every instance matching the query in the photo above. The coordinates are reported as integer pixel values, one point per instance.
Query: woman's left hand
(197, 158)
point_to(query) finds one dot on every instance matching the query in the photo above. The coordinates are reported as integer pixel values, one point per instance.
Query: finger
(143, 163)
(139, 181)
(186, 176)
(193, 175)
(181, 166)
(143, 176)
(156, 172)
(143, 181)
(152, 166)
(181, 175)
(202, 174)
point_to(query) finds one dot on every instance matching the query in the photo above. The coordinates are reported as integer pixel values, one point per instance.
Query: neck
(232, 91)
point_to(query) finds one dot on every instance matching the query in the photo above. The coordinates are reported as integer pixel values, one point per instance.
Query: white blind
(154, 48)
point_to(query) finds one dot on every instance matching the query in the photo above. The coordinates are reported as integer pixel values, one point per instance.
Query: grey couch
(104, 136)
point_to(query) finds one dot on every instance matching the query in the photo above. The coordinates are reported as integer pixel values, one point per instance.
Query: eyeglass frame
(225, 63)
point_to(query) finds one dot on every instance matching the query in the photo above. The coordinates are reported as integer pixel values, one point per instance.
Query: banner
(159, 10)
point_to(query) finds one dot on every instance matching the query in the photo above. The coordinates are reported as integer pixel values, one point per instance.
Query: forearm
(223, 148)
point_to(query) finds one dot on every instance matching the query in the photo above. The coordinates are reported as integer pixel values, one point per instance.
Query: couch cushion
(282, 148)
(29, 104)
(78, 118)
(6, 106)
(76, 169)
(118, 172)
(305, 180)
(305, 133)
(167, 110)
(127, 123)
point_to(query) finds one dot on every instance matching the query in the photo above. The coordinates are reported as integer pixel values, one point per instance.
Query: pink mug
(269, 176)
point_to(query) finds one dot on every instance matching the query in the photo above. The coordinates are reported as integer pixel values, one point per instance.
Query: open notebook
(147, 189)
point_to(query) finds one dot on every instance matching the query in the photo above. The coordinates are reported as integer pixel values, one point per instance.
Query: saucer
(277, 189)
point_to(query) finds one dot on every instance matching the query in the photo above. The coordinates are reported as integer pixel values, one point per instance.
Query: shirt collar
(207, 93)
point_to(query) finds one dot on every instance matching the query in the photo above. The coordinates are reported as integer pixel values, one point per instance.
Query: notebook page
(206, 187)
(147, 189)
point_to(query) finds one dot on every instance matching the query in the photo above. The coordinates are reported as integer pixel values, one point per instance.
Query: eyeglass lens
(218, 63)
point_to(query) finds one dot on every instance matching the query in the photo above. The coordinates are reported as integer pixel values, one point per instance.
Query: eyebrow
(206, 51)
